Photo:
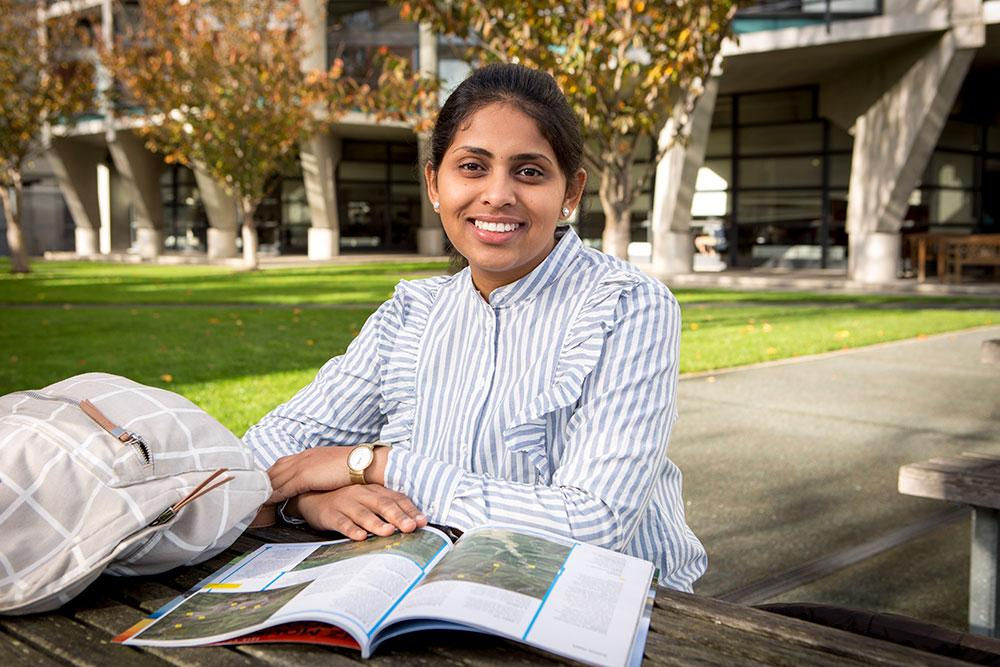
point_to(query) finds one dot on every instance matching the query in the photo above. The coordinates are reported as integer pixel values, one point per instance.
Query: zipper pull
(198, 491)
(165, 516)
(126, 437)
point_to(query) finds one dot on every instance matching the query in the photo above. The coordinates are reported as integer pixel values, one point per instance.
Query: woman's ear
(575, 186)
(430, 179)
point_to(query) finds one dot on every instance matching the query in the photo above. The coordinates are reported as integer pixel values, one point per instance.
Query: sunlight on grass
(713, 340)
(92, 282)
(241, 401)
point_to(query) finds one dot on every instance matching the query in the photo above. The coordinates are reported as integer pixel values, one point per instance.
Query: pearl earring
(436, 205)
(565, 212)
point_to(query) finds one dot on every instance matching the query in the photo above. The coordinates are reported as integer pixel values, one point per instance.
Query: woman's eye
(531, 172)
(469, 166)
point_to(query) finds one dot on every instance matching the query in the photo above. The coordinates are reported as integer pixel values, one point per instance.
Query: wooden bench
(973, 479)
(952, 252)
(972, 250)
(926, 247)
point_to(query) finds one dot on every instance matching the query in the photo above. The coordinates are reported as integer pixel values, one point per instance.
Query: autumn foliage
(223, 89)
(37, 85)
(626, 66)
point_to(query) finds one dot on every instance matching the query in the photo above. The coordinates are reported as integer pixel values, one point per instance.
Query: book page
(595, 608)
(353, 585)
(570, 598)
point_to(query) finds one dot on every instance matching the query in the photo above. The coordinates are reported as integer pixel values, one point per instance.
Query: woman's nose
(498, 190)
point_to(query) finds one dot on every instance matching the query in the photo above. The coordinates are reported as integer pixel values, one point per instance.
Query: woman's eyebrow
(520, 157)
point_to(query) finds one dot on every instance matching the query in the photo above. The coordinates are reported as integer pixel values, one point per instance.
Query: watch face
(360, 458)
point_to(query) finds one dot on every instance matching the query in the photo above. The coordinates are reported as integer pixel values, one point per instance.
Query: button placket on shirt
(483, 381)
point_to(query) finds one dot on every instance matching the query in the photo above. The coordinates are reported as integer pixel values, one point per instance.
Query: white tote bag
(99, 473)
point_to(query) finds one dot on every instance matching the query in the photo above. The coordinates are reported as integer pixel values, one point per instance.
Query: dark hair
(533, 92)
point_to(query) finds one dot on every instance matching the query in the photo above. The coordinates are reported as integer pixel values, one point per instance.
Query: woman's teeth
(495, 226)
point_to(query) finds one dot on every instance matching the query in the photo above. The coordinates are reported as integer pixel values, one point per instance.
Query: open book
(570, 598)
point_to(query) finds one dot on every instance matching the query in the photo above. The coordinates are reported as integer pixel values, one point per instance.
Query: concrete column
(320, 156)
(895, 136)
(321, 153)
(220, 207)
(314, 35)
(140, 170)
(430, 235)
(676, 175)
(75, 162)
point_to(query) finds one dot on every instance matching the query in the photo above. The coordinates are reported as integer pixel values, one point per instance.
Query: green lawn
(238, 343)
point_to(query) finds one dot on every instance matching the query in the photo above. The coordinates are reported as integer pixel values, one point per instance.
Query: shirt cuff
(294, 520)
(431, 484)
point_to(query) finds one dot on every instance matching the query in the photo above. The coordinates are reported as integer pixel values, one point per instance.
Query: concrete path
(790, 462)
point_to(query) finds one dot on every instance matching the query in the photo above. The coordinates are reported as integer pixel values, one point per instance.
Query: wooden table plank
(974, 480)
(15, 653)
(761, 635)
(74, 642)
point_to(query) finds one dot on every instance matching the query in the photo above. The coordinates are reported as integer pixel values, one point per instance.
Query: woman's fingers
(370, 521)
(412, 510)
(343, 524)
(358, 510)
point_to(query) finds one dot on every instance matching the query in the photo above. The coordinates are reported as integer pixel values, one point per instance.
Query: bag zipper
(128, 438)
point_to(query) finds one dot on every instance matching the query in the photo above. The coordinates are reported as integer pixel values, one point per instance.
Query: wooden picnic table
(971, 478)
(686, 629)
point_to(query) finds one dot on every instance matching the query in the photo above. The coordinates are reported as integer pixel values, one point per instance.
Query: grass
(239, 343)
(89, 282)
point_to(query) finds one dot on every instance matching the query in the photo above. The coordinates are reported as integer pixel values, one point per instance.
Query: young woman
(535, 387)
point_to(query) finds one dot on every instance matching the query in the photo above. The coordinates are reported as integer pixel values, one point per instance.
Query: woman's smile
(495, 228)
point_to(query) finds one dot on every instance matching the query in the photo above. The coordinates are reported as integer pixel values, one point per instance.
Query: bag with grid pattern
(102, 474)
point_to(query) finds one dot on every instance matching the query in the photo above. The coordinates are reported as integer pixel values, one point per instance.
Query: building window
(356, 30)
(185, 225)
(776, 175)
(957, 192)
(378, 195)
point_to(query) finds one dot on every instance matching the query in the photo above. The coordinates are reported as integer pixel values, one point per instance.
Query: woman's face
(501, 193)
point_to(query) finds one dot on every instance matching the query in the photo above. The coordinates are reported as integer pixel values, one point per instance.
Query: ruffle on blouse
(398, 348)
(581, 350)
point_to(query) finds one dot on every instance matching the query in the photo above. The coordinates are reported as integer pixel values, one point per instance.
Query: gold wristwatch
(359, 460)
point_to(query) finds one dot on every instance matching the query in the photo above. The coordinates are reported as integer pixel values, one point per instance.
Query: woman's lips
(495, 230)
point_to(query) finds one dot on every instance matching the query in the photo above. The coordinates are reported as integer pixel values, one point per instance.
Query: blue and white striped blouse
(550, 406)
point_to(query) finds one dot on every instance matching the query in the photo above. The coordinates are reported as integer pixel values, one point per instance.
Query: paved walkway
(790, 462)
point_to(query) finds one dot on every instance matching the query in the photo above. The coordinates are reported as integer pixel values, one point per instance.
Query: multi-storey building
(832, 129)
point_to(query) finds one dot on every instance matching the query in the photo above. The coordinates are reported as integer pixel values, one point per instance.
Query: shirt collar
(565, 251)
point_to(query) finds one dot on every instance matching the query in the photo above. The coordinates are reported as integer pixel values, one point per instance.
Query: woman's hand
(359, 509)
(315, 469)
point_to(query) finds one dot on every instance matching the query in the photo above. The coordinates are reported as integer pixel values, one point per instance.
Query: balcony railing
(774, 14)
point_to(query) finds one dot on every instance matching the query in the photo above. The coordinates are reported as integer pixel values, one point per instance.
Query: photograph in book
(208, 613)
(420, 547)
(503, 559)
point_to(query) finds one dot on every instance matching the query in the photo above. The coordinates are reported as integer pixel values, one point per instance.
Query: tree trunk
(617, 232)
(247, 210)
(615, 193)
(15, 235)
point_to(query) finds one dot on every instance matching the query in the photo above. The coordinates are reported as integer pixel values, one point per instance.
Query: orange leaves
(36, 83)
